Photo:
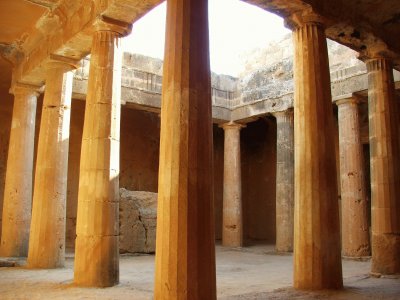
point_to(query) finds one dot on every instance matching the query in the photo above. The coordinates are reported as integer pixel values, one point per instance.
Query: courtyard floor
(254, 272)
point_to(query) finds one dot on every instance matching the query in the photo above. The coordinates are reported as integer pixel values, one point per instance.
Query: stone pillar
(17, 201)
(355, 230)
(185, 245)
(232, 215)
(317, 257)
(284, 181)
(385, 164)
(47, 235)
(96, 246)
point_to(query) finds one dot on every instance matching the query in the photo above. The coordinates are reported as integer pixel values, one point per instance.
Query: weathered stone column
(232, 216)
(284, 181)
(96, 246)
(47, 234)
(17, 201)
(317, 257)
(355, 230)
(185, 245)
(385, 164)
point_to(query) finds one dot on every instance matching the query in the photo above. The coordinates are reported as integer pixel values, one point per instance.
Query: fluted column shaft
(17, 201)
(317, 258)
(284, 181)
(96, 246)
(47, 232)
(355, 230)
(232, 215)
(385, 173)
(185, 245)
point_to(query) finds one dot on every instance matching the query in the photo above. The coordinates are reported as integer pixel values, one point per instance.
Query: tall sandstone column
(284, 181)
(47, 233)
(185, 245)
(355, 230)
(232, 215)
(385, 164)
(96, 246)
(317, 258)
(17, 201)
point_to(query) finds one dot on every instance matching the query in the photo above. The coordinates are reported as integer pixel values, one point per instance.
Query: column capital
(23, 88)
(62, 62)
(305, 17)
(378, 62)
(377, 51)
(353, 99)
(232, 125)
(283, 114)
(104, 23)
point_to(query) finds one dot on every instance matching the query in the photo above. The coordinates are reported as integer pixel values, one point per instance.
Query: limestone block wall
(137, 221)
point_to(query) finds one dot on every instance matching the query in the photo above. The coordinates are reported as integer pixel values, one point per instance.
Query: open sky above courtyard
(236, 28)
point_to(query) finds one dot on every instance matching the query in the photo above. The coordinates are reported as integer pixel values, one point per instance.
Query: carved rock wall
(137, 221)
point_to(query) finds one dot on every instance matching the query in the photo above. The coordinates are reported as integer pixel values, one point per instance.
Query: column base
(361, 251)
(284, 249)
(386, 254)
(98, 261)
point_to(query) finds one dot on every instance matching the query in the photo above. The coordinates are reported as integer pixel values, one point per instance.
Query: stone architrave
(17, 201)
(185, 244)
(317, 255)
(355, 230)
(284, 181)
(47, 232)
(385, 167)
(232, 215)
(96, 246)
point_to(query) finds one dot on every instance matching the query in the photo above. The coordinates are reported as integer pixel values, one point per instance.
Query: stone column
(232, 215)
(355, 230)
(96, 246)
(185, 245)
(317, 257)
(385, 164)
(47, 235)
(284, 181)
(17, 201)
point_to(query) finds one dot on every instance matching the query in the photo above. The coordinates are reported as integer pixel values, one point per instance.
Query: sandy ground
(248, 273)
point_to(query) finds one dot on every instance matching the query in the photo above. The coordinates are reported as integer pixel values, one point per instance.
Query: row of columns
(40, 223)
(316, 238)
(185, 252)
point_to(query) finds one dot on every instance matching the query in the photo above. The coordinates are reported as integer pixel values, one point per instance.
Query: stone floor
(249, 273)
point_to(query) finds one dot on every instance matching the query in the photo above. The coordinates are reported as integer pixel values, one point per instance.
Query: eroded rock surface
(137, 221)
